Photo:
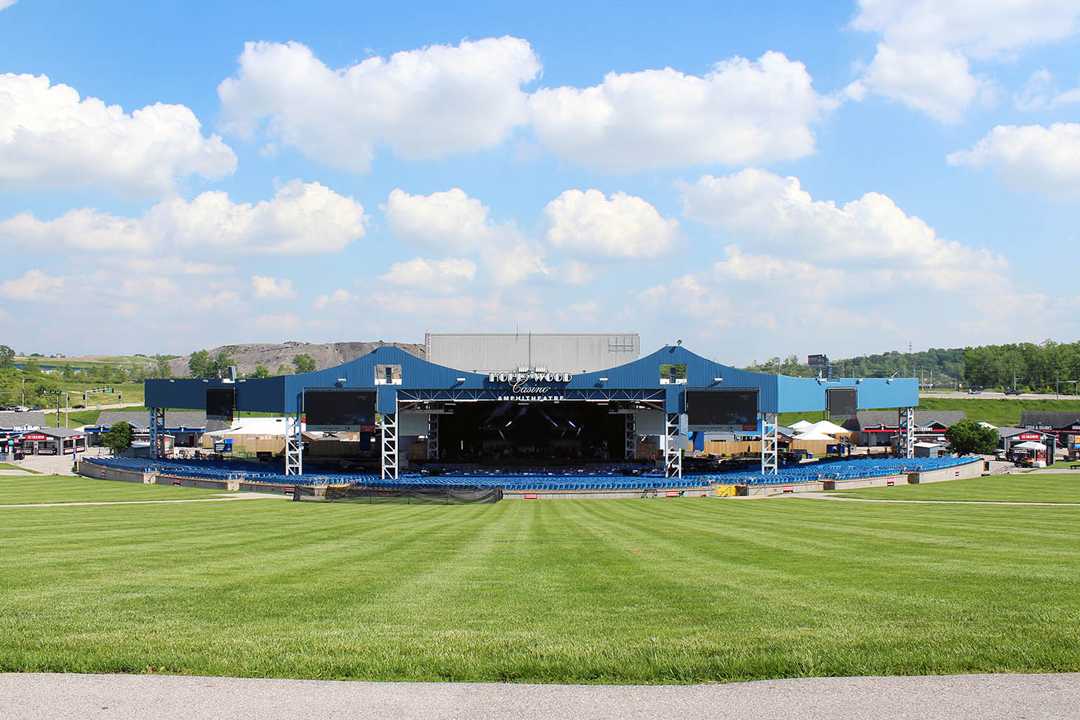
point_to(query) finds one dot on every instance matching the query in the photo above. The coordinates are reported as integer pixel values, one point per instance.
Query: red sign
(1030, 436)
(35, 436)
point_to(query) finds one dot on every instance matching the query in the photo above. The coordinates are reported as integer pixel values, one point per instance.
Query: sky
(753, 178)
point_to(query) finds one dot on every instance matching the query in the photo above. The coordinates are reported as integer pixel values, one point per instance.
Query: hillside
(274, 355)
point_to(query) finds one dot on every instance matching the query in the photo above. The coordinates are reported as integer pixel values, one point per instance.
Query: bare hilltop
(274, 355)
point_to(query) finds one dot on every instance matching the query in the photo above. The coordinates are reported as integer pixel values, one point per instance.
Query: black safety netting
(415, 494)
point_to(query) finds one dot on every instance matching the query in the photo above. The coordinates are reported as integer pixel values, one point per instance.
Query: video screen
(731, 408)
(339, 409)
(842, 402)
(220, 404)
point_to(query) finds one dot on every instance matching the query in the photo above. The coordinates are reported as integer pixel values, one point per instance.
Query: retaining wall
(101, 472)
(970, 470)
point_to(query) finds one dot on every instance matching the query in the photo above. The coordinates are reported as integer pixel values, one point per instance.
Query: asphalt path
(992, 395)
(105, 406)
(895, 501)
(127, 697)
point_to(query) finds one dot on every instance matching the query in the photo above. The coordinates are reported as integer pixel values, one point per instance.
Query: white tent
(826, 427)
(1029, 445)
(985, 424)
(801, 426)
(254, 426)
(814, 437)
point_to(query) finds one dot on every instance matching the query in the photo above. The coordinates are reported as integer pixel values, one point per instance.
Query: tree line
(201, 364)
(1048, 366)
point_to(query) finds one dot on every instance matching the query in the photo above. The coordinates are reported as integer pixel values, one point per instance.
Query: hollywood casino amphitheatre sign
(530, 386)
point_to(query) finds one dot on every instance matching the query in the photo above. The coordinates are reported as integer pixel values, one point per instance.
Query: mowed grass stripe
(617, 591)
(1051, 488)
(16, 490)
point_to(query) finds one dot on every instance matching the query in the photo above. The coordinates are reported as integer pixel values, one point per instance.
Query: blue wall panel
(777, 393)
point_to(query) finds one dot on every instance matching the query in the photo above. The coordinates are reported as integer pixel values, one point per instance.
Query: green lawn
(64, 488)
(1020, 488)
(995, 412)
(998, 412)
(620, 591)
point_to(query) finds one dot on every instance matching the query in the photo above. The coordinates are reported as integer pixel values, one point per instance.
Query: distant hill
(274, 355)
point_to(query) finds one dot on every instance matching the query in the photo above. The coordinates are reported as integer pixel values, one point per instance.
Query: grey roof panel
(1054, 419)
(19, 419)
(141, 419)
(888, 418)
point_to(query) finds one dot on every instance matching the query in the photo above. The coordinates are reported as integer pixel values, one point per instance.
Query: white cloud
(274, 324)
(422, 103)
(739, 112)
(301, 218)
(937, 82)
(270, 288)
(439, 276)
(32, 286)
(341, 296)
(982, 30)
(871, 232)
(837, 271)
(174, 264)
(446, 221)
(515, 263)
(927, 46)
(453, 222)
(1031, 157)
(574, 272)
(51, 137)
(1040, 93)
(5, 4)
(622, 226)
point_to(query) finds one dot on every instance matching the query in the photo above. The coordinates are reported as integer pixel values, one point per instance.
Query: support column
(388, 426)
(294, 444)
(433, 437)
(157, 432)
(672, 449)
(906, 440)
(630, 438)
(770, 445)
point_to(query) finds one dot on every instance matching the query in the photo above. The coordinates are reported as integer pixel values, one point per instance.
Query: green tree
(260, 371)
(284, 370)
(200, 365)
(7, 357)
(968, 437)
(161, 367)
(118, 437)
(222, 362)
(303, 363)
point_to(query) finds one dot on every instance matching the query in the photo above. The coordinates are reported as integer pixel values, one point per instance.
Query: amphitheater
(539, 416)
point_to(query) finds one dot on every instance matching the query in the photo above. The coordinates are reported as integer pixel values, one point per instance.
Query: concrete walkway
(219, 498)
(841, 498)
(131, 697)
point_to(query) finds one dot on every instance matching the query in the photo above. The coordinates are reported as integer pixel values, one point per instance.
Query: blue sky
(759, 179)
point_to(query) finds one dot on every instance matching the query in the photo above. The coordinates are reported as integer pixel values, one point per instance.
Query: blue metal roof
(776, 393)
